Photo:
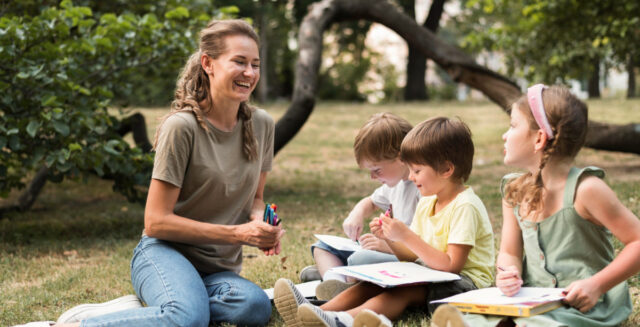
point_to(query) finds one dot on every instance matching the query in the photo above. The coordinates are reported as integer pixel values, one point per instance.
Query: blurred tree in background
(62, 67)
(556, 40)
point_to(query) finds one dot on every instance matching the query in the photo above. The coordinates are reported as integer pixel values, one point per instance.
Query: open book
(339, 243)
(391, 274)
(529, 301)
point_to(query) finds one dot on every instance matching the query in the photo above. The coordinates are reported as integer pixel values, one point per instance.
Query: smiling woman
(205, 201)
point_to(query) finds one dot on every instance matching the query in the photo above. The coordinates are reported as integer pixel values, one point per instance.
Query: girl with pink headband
(560, 218)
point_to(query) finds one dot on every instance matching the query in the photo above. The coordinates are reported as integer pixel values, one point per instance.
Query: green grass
(74, 246)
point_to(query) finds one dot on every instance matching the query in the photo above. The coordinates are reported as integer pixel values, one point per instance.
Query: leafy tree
(59, 72)
(554, 40)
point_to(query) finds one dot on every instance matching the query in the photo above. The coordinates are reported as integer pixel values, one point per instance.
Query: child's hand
(352, 227)
(275, 250)
(371, 242)
(393, 229)
(582, 294)
(376, 228)
(508, 280)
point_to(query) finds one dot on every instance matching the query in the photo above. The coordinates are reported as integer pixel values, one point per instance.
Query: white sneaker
(447, 316)
(287, 299)
(37, 324)
(368, 318)
(84, 311)
(310, 315)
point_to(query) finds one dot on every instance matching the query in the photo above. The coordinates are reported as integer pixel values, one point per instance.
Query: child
(377, 149)
(560, 218)
(450, 232)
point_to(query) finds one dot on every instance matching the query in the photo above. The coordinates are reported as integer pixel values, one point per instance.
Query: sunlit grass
(74, 246)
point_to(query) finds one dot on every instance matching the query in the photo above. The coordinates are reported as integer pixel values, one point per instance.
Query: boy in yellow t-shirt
(450, 232)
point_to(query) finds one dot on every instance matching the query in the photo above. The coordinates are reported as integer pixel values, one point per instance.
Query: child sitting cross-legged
(450, 232)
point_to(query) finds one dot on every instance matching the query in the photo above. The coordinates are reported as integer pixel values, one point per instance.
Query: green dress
(561, 249)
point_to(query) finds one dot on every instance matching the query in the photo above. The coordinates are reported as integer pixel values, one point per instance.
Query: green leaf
(49, 160)
(60, 127)
(32, 128)
(75, 147)
(14, 143)
(178, 13)
(49, 101)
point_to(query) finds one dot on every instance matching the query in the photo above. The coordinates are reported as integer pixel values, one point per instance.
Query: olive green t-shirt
(217, 183)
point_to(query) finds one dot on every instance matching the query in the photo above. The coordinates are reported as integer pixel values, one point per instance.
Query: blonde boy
(377, 149)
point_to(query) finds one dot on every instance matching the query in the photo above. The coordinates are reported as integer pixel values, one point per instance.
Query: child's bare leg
(325, 260)
(392, 302)
(352, 297)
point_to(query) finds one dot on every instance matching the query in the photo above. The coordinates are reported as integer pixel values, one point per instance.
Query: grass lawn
(74, 246)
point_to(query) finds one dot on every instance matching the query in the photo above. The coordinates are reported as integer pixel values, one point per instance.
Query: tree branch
(461, 67)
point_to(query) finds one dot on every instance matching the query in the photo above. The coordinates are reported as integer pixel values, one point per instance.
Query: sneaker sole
(447, 316)
(368, 319)
(286, 304)
(309, 273)
(309, 318)
(328, 289)
(78, 313)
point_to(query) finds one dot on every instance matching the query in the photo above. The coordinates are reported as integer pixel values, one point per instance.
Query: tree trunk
(459, 65)
(594, 81)
(263, 85)
(631, 81)
(416, 87)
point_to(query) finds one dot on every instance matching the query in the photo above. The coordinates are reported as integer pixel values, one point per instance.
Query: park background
(73, 179)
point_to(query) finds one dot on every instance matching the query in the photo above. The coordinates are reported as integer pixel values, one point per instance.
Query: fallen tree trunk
(461, 67)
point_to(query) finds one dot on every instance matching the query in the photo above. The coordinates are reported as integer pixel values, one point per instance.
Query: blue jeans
(177, 294)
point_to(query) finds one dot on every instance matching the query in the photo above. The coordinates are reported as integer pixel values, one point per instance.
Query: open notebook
(391, 274)
(529, 301)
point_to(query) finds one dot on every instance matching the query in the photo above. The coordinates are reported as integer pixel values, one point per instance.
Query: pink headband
(534, 95)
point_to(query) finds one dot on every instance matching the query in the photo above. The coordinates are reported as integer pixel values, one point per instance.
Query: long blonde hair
(568, 117)
(193, 88)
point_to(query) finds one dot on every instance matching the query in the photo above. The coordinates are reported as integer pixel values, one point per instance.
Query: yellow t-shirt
(463, 221)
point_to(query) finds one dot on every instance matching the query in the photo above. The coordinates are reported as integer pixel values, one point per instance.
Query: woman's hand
(582, 294)
(352, 227)
(508, 280)
(371, 242)
(259, 234)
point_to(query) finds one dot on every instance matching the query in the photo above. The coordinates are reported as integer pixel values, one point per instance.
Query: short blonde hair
(380, 138)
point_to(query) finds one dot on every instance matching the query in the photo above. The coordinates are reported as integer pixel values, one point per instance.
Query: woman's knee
(185, 315)
(256, 311)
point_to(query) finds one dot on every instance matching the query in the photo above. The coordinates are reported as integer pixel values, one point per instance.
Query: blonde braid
(535, 203)
(249, 142)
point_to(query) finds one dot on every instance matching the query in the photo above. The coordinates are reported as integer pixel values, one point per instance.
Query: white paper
(339, 243)
(492, 295)
(390, 274)
(307, 289)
